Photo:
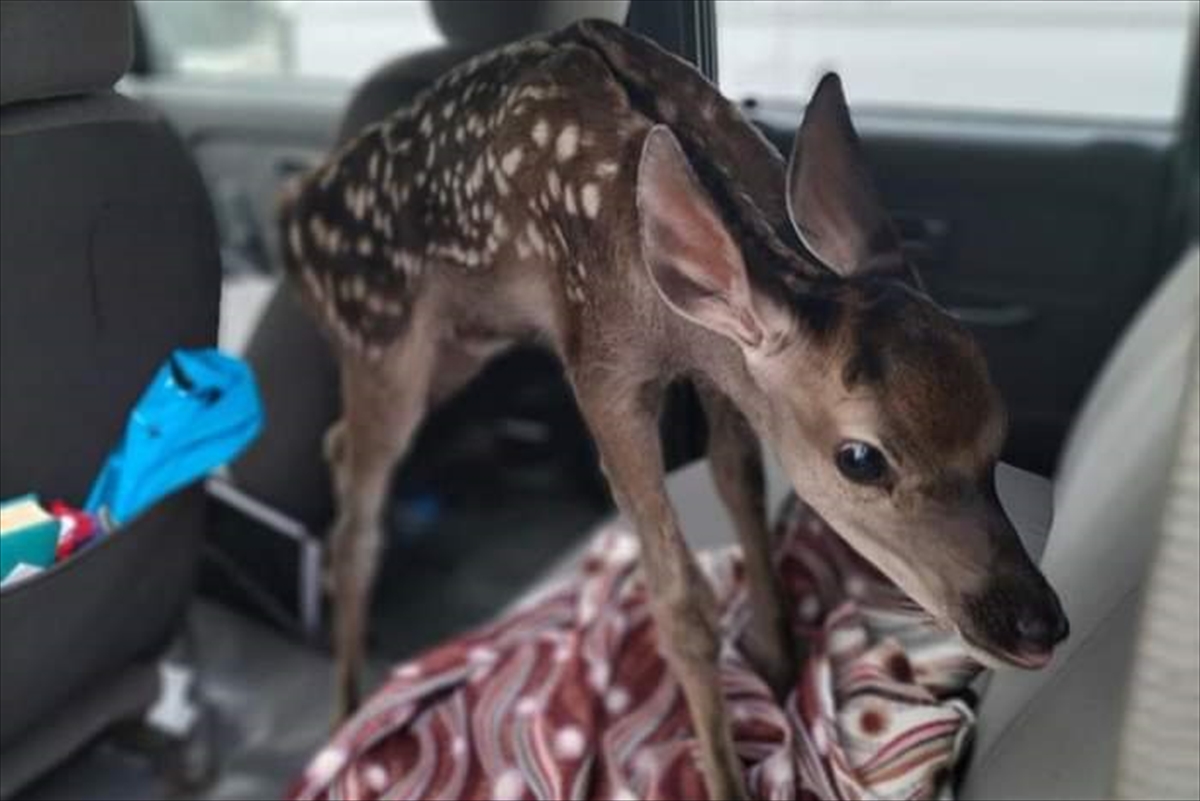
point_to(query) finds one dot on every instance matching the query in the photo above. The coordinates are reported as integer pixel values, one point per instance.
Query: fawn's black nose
(1041, 631)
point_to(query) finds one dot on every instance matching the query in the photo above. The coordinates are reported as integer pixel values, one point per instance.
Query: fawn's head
(878, 404)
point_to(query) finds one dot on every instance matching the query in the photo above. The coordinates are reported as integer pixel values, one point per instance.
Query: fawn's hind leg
(383, 403)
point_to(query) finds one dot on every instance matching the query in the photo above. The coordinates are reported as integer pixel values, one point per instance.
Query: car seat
(108, 262)
(1055, 733)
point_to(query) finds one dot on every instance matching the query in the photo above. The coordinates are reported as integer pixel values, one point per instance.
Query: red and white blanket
(567, 697)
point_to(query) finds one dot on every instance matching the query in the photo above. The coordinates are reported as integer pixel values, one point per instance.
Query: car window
(286, 39)
(1082, 58)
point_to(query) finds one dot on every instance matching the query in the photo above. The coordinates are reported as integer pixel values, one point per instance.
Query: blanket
(567, 696)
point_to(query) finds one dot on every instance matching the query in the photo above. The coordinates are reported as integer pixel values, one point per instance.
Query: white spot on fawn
(553, 183)
(567, 142)
(364, 246)
(535, 237)
(476, 179)
(316, 229)
(606, 169)
(569, 199)
(511, 160)
(589, 197)
(541, 133)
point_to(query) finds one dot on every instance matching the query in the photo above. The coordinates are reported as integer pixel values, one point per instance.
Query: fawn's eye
(860, 462)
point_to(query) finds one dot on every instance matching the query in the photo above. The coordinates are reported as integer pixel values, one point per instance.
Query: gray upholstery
(108, 262)
(1160, 738)
(1053, 734)
(64, 47)
(296, 371)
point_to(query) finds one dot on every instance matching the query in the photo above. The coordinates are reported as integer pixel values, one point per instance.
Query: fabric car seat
(1055, 733)
(108, 262)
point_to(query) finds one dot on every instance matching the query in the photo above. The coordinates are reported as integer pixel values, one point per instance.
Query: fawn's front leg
(625, 427)
(736, 460)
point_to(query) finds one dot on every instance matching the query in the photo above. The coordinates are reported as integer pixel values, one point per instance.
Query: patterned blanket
(568, 697)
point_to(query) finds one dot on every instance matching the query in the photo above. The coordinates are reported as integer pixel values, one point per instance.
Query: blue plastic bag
(200, 411)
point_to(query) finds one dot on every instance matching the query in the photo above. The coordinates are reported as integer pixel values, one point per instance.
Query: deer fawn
(590, 192)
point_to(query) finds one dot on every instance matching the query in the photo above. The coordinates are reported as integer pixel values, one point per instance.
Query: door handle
(1006, 315)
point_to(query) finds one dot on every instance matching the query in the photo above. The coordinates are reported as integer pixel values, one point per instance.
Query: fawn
(588, 191)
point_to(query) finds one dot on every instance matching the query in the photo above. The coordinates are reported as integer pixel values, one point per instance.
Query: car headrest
(67, 47)
(484, 23)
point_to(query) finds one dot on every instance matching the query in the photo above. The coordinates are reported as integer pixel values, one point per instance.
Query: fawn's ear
(691, 257)
(832, 200)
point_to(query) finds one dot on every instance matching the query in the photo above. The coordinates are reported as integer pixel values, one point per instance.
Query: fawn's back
(506, 187)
